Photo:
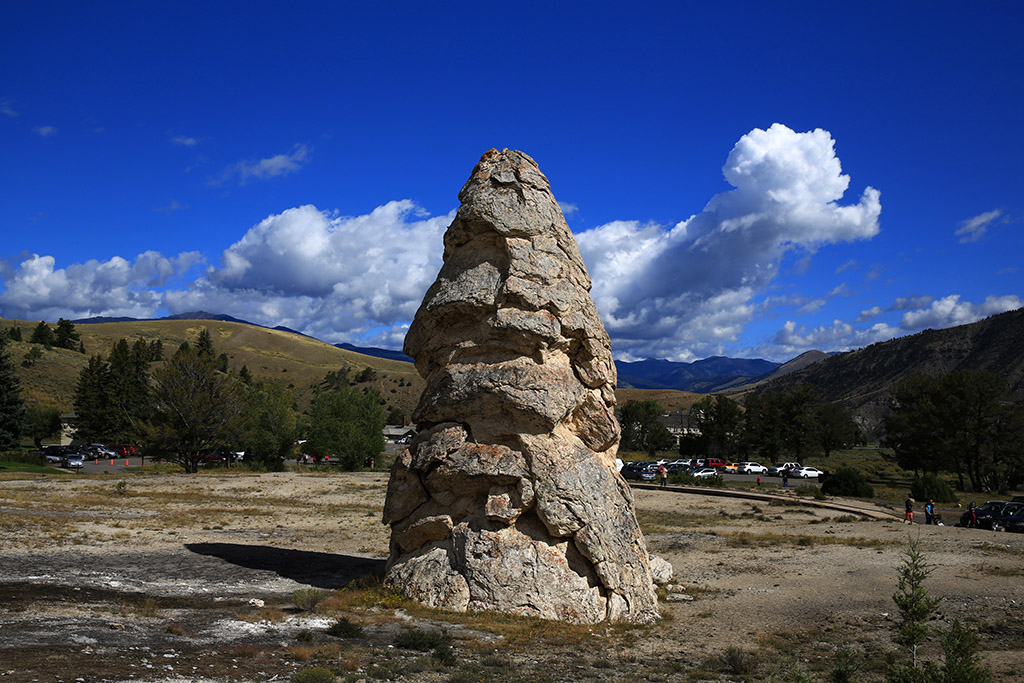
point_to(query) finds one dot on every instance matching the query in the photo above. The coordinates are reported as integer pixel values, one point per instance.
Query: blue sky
(749, 179)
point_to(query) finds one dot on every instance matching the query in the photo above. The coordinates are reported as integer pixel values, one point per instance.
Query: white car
(704, 473)
(752, 468)
(807, 473)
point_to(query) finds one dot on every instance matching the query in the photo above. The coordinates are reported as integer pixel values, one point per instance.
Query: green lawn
(28, 467)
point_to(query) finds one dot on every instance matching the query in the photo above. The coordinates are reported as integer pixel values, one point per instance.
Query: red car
(124, 449)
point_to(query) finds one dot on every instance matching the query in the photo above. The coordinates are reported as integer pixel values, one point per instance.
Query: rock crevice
(508, 499)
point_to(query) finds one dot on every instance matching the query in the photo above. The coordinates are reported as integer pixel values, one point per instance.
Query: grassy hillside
(300, 362)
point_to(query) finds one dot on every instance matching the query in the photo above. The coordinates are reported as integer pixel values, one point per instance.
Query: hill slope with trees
(862, 380)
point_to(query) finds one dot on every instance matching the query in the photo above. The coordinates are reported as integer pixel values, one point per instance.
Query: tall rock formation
(509, 498)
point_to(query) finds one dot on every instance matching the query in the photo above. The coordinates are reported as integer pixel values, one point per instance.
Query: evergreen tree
(66, 337)
(14, 333)
(42, 334)
(245, 375)
(156, 350)
(93, 407)
(12, 406)
(205, 343)
(128, 391)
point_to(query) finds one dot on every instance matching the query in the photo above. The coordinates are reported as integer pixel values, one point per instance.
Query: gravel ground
(194, 578)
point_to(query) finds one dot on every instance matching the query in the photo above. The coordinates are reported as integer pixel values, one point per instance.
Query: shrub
(930, 487)
(316, 674)
(847, 482)
(423, 640)
(343, 628)
(961, 662)
(307, 599)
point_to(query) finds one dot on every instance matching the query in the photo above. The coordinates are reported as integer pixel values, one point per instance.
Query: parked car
(711, 462)
(124, 450)
(1013, 521)
(806, 473)
(212, 459)
(752, 468)
(73, 461)
(732, 467)
(1006, 514)
(704, 473)
(639, 471)
(777, 469)
(984, 512)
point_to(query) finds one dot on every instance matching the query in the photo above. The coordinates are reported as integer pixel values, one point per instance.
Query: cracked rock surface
(509, 498)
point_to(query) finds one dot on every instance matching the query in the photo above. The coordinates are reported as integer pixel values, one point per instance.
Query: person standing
(929, 512)
(663, 473)
(908, 515)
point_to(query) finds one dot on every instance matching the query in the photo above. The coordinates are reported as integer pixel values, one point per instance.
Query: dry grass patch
(747, 539)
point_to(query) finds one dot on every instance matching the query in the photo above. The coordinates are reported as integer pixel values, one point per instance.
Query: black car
(984, 513)
(640, 471)
(1011, 518)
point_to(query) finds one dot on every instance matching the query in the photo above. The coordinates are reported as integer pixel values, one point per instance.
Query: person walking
(663, 473)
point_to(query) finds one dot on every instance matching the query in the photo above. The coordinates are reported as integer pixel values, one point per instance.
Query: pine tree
(205, 344)
(12, 406)
(128, 389)
(42, 334)
(92, 401)
(66, 337)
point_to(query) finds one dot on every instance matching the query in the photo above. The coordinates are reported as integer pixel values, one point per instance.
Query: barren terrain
(236, 576)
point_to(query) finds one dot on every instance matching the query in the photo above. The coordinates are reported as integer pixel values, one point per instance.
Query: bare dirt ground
(211, 577)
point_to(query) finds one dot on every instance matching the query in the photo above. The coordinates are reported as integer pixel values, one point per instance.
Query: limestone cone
(509, 498)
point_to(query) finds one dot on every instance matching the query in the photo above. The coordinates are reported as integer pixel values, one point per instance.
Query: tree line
(964, 423)
(773, 425)
(192, 403)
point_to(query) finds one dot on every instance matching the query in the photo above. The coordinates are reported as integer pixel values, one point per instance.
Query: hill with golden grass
(298, 361)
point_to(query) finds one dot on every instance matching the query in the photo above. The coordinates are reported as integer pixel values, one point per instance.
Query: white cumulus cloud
(37, 290)
(950, 310)
(653, 283)
(339, 278)
(44, 131)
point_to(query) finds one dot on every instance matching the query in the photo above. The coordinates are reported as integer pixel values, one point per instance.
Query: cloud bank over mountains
(681, 292)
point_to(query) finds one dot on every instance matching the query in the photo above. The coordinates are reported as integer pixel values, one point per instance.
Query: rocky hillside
(861, 379)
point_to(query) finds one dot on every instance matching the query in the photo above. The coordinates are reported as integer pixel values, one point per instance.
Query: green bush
(343, 628)
(847, 482)
(930, 487)
(423, 640)
(687, 479)
(316, 674)
(307, 599)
